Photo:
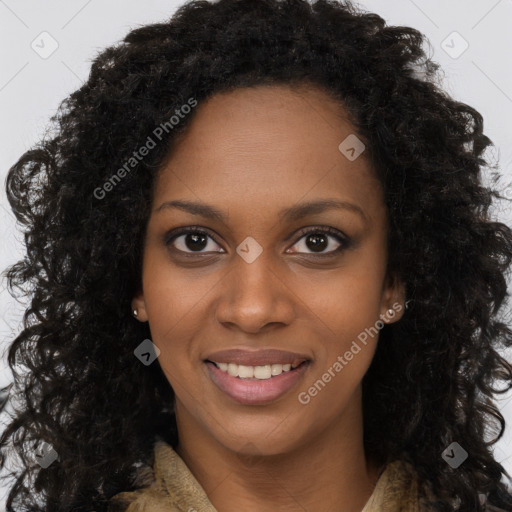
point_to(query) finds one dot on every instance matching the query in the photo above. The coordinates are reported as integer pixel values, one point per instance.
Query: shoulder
(148, 495)
(152, 498)
(397, 490)
(167, 486)
(146, 500)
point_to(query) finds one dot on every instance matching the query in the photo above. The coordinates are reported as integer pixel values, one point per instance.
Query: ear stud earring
(135, 313)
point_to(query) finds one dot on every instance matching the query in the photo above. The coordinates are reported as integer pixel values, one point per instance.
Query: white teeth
(255, 372)
(276, 369)
(245, 372)
(262, 372)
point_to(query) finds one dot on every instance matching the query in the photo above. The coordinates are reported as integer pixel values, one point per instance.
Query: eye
(192, 239)
(317, 240)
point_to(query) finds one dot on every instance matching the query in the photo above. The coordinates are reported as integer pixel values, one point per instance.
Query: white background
(31, 88)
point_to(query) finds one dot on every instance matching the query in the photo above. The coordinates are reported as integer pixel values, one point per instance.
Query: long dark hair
(435, 373)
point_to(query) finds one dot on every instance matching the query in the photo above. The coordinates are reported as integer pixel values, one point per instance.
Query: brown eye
(317, 240)
(191, 240)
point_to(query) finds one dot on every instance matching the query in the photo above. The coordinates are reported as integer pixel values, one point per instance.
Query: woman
(263, 276)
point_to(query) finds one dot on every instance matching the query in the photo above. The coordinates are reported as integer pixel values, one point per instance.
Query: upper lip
(256, 357)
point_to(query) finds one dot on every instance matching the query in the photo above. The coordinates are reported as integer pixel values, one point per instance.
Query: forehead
(267, 144)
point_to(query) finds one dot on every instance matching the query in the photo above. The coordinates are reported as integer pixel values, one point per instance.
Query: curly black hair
(433, 379)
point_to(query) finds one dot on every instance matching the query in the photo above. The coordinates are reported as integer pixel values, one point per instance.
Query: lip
(256, 392)
(256, 357)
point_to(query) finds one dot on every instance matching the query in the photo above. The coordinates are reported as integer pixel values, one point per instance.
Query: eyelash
(344, 241)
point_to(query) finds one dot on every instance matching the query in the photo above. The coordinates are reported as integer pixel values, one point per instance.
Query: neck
(328, 471)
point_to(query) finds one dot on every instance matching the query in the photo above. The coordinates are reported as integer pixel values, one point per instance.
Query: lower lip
(256, 392)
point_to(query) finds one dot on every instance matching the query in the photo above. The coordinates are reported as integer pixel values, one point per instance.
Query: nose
(254, 296)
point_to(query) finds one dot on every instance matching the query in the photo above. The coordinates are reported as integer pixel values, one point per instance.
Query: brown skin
(251, 153)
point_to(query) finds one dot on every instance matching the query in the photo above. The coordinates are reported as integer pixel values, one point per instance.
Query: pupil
(316, 245)
(195, 239)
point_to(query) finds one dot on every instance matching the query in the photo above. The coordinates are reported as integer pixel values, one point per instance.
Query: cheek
(350, 309)
(175, 304)
(346, 306)
(348, 300)
(172, 295)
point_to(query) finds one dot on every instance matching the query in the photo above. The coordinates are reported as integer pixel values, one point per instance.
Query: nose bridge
(253, 278)
(253, 295)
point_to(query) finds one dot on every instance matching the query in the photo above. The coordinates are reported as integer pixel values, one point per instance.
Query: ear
(393, 299)
(139, 305)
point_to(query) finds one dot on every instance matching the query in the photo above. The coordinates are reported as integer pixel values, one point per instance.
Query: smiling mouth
(254, 373)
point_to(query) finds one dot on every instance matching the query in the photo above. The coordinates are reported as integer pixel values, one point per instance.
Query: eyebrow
(290, 214)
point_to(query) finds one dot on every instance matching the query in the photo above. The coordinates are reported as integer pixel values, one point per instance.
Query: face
(258, 272)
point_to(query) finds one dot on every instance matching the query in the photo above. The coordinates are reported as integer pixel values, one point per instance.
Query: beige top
(171, 487)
